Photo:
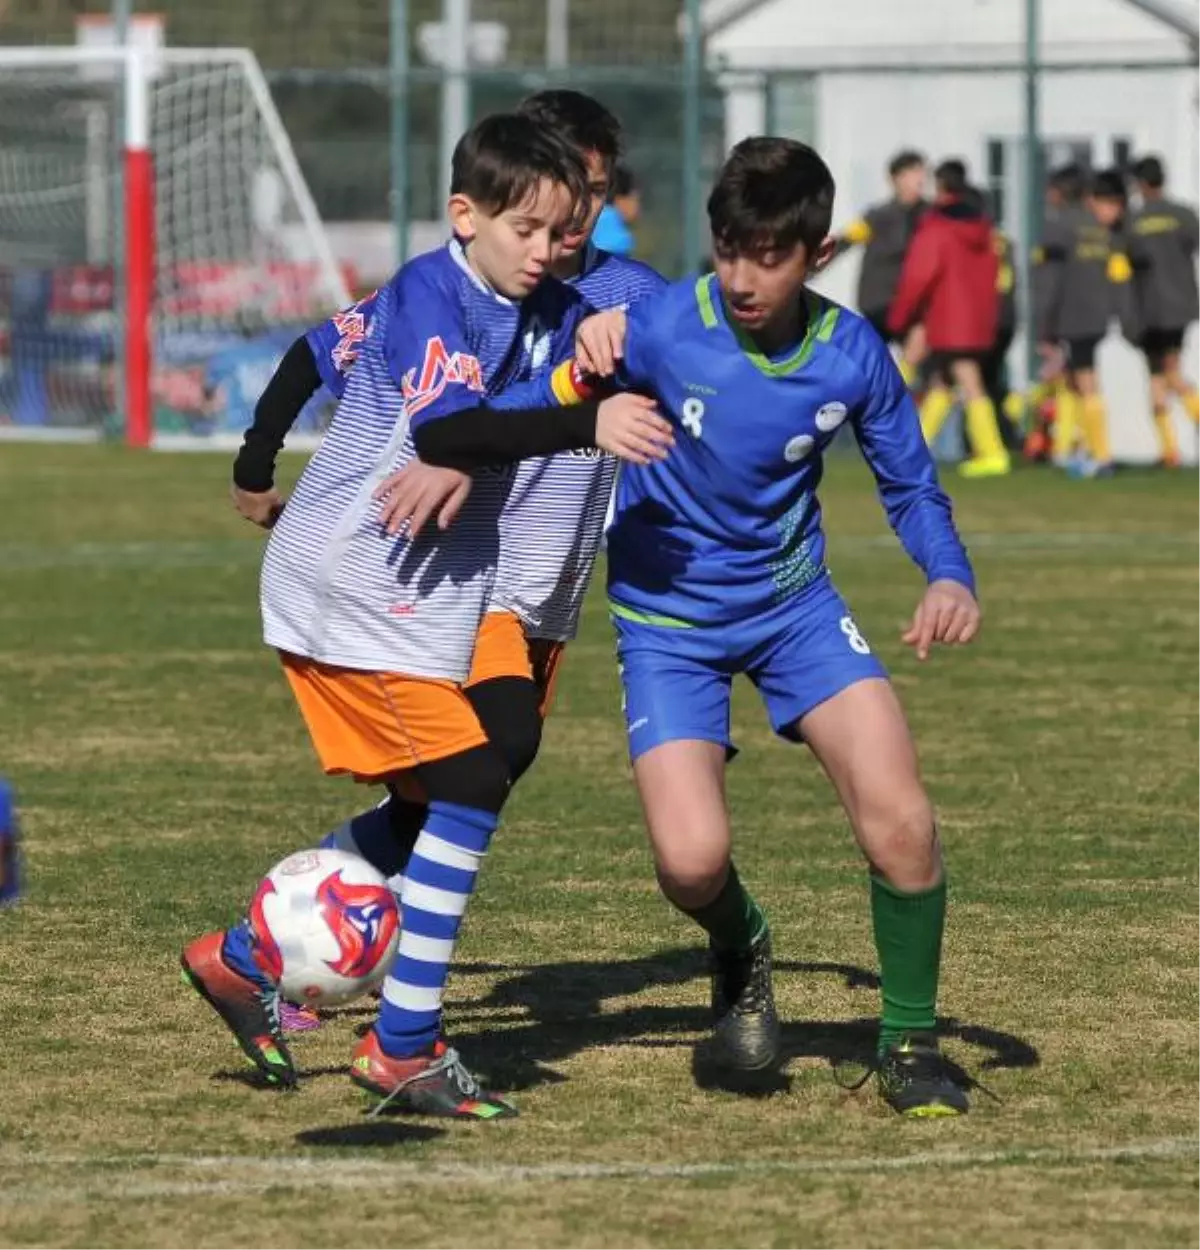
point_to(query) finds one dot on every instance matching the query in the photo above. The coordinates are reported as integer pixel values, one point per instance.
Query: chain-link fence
(329, 67)
(859, 80)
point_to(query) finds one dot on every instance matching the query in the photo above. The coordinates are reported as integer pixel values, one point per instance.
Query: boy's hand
(629, 427)
(261, 507)
(600, 343)
(947, 613)
(411, 496)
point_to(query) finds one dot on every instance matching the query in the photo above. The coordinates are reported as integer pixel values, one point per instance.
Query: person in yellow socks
(1009, 406)
(949, 284)
(1075, 269)
(1163, 236)
(884, 232)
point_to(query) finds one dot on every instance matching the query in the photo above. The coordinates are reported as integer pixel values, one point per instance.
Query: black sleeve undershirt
(291, 386)
(478, 437)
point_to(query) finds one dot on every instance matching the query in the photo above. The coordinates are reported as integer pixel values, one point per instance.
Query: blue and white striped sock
(371, 835)
(437, 883)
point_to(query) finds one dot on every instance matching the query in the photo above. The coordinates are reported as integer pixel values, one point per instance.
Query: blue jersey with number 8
(729, 525)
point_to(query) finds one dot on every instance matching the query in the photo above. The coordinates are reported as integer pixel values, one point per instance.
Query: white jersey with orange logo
(335, 586)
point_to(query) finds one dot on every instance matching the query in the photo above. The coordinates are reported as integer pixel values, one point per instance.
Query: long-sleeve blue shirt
(729, 524)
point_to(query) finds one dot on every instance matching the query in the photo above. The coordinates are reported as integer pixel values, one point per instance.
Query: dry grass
(162, 768)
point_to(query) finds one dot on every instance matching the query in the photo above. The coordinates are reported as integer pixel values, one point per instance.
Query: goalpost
(164, 311)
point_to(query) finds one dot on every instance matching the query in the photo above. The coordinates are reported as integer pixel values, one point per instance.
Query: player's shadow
(558, 1011)
(255, 1079)
(372, 1134)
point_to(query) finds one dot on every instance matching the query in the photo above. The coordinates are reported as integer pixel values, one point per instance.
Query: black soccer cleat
(916, 1080)
(745, 1026)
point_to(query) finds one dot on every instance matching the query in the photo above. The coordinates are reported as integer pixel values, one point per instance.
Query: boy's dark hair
(579, 119)
(502, 158)
(951, 177)
(909, 158)
(978, 199)
(1149, 170)
(623, 182)
(1069, 181)
(771, 193)
(1108, 184)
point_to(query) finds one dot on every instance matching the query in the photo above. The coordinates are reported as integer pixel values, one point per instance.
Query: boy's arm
(320, 356)
(560, 411)
(626, 426)
(475, 438)
(918, 510)
(1191, 232)
(917, 276)
(1049, 274)
(295, 381)
(637, 370)
(441, 380)
(568, 384)
(336, 343)
(858, 233)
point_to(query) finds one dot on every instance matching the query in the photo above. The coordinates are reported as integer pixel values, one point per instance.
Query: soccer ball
(325, 927)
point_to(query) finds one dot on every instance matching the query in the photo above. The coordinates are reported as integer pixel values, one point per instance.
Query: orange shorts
(502, 649)
(374, 725)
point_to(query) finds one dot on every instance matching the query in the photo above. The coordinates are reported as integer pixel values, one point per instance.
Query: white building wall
(862, 119)
(774, 33)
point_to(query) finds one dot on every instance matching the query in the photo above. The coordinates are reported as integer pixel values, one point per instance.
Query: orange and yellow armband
(570, 385)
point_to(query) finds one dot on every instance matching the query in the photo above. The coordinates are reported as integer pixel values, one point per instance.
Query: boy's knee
(519, 743)
(509, 709)
(476, 778)
(691, 882)
(902, 844)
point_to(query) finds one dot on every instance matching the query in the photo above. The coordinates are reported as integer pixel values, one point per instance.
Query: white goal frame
(135, 66)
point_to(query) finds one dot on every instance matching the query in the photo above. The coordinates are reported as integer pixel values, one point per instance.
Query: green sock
(733, 920)
(908, 937)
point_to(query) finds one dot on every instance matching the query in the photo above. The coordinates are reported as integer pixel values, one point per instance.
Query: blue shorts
(677, 680)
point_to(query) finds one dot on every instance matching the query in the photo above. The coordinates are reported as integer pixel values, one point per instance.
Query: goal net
(159, 248)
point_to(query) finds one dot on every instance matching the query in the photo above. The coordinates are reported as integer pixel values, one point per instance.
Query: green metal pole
(1031, 209)
(693, 68)
(398, 87)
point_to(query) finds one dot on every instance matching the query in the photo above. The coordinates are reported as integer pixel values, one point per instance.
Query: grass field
(162, 768)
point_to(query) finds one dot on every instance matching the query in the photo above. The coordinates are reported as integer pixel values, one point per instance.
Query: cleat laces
(450, 1064)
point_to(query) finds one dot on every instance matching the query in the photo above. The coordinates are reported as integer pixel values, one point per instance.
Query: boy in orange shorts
(376, 632)
(550, 526)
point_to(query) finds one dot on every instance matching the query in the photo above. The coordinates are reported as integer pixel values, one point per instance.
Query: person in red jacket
(948, 284)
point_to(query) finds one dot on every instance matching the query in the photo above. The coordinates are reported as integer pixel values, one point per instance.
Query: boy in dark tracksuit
(885, 231)
(1163, 236)
(1075, 269)
(995, 365)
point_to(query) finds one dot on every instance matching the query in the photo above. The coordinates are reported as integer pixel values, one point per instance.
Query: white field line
(140, 1175)
(49, 434)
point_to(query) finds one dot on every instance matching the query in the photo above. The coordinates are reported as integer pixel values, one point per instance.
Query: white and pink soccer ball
(325, 926)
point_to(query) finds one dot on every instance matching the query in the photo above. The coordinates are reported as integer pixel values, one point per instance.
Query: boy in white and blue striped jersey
(377, 631)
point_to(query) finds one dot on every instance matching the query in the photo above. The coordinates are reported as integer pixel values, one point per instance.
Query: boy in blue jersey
(375, 632)
(716, 567)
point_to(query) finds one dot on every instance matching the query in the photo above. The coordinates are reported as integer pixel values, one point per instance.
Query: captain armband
(570, 385)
